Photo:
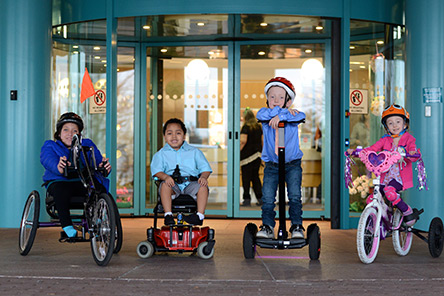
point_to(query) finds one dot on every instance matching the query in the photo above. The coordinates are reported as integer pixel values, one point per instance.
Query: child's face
(174, 136)
(395, 124)
(276, 97)
(68, 131)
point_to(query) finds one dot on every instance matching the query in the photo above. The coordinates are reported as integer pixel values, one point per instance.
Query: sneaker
(265, 232)
(169, 220)
(409, 218)
(193, 219)
(70, 231)
(297, 231)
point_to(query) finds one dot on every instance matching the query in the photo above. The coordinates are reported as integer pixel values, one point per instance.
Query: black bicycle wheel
(314, 241)
(103, 230)
(249, 242)
(119, 231)
(29, 223)
(436, 238)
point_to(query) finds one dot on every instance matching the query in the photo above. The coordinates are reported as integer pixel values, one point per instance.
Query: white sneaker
(297, 231)
(265, 232)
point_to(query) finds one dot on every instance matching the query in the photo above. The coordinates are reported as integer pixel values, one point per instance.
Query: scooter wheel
(314, 241)
(145, 249)
(203, 252)
(249, 242)
(436, 238)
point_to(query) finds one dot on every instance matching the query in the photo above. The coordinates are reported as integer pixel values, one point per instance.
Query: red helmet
(395, 110)
(285, 84)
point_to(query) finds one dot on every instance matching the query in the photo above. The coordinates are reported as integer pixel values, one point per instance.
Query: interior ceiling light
(261, 53)
(75, 46)
(97, 57)
(146, 27)
(201, 24)
(319, 28)
(380, 42)
(308, 51)
(352, 47)
(96, 47)
(163, 50)
(263, 24)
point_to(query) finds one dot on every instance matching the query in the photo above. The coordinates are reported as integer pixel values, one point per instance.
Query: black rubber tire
(314, 241)
(103, 231)
(202, 251)
(249, 242)
(436, 238)
(145, 249)
(119, 231)
(29, 223)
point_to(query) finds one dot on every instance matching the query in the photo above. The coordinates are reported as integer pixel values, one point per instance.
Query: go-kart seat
(77, 203)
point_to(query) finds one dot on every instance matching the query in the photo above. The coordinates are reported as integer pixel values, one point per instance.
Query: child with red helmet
(280, 94)
(395, 120)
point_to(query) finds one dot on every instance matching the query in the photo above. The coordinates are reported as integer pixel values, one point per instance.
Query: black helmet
(69, 117)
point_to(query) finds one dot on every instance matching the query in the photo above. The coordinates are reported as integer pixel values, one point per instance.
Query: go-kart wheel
(203, 252)
(103, 230)
(314, 241)
(436, 238)
(402, 238)
(249, 242)
(145, 249)
(29, 223)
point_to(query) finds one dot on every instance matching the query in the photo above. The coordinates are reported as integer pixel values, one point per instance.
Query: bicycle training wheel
(103, 230)
(367, 240)
(436, 237)
(402, 238)
(29, 223)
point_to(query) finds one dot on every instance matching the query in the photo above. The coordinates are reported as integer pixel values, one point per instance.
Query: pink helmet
(285, 84)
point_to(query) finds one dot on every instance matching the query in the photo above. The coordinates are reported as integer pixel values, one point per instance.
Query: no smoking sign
(358, 101)
(98, 103)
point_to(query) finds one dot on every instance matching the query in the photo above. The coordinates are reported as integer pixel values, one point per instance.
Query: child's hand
(274, 122)
(350, 151)
(293, 111)
(203, 182)
(169, 181)
(105, 163)
(63, 162)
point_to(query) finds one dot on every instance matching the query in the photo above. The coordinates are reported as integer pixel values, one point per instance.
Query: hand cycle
(100, 221)
(380, 220)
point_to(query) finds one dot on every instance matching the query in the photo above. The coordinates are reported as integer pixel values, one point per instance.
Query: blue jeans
(293, 179)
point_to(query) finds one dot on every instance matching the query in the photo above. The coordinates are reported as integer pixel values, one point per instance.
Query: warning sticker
(98, 103)
(358, 101)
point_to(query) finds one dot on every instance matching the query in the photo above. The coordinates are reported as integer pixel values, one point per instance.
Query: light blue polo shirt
(191, 161)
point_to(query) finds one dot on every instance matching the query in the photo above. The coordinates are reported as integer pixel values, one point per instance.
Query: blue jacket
(50, 156)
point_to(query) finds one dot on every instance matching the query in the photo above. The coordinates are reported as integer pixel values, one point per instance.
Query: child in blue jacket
(54, 157)
(280, 95)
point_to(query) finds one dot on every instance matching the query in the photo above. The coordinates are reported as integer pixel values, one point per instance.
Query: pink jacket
(408, 142)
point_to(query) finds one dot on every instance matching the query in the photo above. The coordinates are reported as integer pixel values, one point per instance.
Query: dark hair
(174, 120)
(68, 117)
(250, 120)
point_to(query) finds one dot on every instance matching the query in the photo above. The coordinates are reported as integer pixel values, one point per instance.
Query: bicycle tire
(30, 217)
(103, 230)
(367, 238)
(402, 238)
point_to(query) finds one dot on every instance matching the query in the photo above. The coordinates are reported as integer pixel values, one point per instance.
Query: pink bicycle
(380, 220)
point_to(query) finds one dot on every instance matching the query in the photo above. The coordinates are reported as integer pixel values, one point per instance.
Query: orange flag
(87, 89)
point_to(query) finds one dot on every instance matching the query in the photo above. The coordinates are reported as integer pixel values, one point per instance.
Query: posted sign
(358, 101)
(98, 103)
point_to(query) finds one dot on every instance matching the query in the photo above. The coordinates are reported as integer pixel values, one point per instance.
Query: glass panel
(95, 30)
(377, 73)
(193, 87)
(185, 25)
(68, 66)
(282, 24)
(125, 127)
(303, 65)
